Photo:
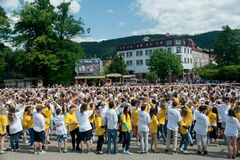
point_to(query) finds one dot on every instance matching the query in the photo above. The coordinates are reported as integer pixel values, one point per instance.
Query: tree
(227, 47)
(151, 77)
(230, 73)
(118, 66)
(4, 25)
(162, 61)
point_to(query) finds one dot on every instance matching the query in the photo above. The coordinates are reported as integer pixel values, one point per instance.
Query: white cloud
(121, 24)
(87, 39)
(109, 11)
(9, 3)
(187, 16)
(13, 4)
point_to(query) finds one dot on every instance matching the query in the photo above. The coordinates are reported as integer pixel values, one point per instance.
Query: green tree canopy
(4, 25)
(151, 76)
(162, 61)
(117, 66)
(227, 47)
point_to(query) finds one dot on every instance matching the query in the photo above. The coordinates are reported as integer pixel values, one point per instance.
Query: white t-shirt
(174, 117)
(222, 111)
(202, 123)
(16, 125)
(112, 119)
(144, 120)
(61, 128)
(232, 126)
(83, 120)
(39, 122)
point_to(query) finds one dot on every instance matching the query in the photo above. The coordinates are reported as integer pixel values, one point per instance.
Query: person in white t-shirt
(201, 129)
(61, 130)
(231, 132)
(173, 118)
(15, 127)
(85, 127)
(38, 128)
(143, 127)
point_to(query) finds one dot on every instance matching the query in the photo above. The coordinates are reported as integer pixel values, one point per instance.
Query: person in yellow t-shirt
(3, 125)
(153, 129)
(99, 131)
(126, 129)
(162, 121)
(73, 127)
(28, 123)
(213, 120)
(48, 117)
(134, 115)
(184, 128)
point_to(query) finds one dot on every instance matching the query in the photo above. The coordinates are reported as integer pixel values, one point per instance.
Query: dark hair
(184, 112)
(231, 113)
(83, 108)
(11, 114)
(125, 111)
(111, 104)
(152, 112)
(202, 108)
(214, 110)
(143, 107)
(39, 108)
(58, 111)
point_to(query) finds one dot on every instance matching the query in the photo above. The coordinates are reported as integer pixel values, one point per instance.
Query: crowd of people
(198, 114)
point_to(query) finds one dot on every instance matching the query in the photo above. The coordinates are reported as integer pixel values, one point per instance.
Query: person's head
(39, 108)
(126, 109)
(143, 107)
(152, 112)
(58, 111)
(138, 103)
(231, 113)
(214, 110)
(111, 104)
(203, 109)
(71, 109)
(83, 107)
(183, 112)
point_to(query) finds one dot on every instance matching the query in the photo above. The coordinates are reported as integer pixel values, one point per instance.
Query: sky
(109, 19)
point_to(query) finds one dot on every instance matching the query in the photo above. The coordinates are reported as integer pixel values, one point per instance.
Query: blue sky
(119, 18)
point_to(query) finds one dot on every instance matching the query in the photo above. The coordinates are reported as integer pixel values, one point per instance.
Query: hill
(108, 48)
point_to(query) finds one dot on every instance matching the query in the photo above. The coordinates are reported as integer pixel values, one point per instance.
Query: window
(139, 62)
(188, 50)
(179, 50)
(139, 53)
(147, 62)
(179, 57)
(178, 42)
(188, 60)
(169, 42)
(191, 60)
(148, 52)
(185, 60)
(122, 54)
(129, 63)
(184, 50)
(169, 50)
(129, 54)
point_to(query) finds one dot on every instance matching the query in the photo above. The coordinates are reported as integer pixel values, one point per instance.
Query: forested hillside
(108, 47)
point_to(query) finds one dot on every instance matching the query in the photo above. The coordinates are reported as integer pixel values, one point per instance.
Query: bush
(230, 73)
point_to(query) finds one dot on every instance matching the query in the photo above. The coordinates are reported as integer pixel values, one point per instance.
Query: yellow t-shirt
(184, 123)
(212, 118)
(3, 124)
(189, 116)
(126, 120)
(162, 116)
(99, 123)
(71, 118)
(92, 118)
(135, 117)
(238, 116)
(154, 124)
(176, 100)
(48, 116)
(28, 121)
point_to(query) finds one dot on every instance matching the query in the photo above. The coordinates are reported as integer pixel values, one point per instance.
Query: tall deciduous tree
(162, 61)
(4, 25)
(118, 66)
(227, 47)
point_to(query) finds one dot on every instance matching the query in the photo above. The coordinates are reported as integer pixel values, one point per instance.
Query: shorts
(62, 138)
(214, 133)
(201, 140)
(85, 136)
(39, 136)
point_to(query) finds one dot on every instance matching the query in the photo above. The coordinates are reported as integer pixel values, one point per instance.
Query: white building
(137, 55)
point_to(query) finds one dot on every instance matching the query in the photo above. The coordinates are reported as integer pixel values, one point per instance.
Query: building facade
(137, 55)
